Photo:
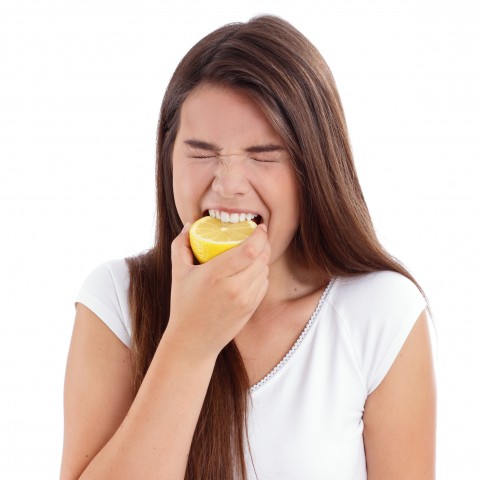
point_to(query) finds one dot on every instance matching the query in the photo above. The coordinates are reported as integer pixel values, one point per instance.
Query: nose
(230, 178)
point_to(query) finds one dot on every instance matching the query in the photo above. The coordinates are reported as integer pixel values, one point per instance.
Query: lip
(232, 210)
(259, 218)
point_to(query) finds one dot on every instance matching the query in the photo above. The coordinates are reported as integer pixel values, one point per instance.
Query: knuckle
(215, 279)
(250, 252)
(265, 257)
(243, 301)
(237, 295)
(233, 292)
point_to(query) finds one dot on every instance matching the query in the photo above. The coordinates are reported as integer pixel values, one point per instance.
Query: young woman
(301, 354)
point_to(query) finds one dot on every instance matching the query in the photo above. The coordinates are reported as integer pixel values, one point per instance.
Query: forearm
(154, 439)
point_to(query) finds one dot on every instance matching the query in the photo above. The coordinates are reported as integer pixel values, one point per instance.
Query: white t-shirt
(305, 417)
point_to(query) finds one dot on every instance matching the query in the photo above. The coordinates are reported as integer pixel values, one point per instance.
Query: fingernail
(186, 227)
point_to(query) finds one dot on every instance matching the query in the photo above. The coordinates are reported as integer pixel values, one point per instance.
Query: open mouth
(233, 217)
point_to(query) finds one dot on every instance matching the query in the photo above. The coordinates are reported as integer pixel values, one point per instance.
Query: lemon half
(209, 237)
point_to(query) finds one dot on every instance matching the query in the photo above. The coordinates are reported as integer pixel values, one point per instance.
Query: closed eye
(263, 160)
(200, 149)
(202, 156)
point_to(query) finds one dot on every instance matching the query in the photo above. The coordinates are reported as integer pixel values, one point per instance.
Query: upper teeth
(231, 217)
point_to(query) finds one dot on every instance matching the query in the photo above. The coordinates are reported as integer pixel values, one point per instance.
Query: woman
(304, 352)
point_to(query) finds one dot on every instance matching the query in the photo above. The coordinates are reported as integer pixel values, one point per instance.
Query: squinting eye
(202, 156)
(263, 160)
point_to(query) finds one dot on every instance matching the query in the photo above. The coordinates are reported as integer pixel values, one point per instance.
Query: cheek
(283, 203)
(290, 206)
(291, 194)
(181, 188)
(189, 183)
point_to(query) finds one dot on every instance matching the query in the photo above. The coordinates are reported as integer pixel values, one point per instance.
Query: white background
(80, 89)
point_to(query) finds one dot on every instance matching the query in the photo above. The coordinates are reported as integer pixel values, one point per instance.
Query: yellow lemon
(209, 237)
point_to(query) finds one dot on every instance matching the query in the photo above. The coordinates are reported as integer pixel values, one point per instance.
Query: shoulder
(373, 295)
(105, 292)
(384, 284)
(112, 271)
(378, 311)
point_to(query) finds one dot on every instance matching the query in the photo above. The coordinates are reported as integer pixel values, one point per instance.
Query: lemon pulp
(209, 237)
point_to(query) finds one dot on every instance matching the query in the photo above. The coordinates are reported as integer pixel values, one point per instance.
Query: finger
(260, 292)
(254, 275)
(250, 286)
(244, 282)
(239, 258)
(255, 260)
(181, 251)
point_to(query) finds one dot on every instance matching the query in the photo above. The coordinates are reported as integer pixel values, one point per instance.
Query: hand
(210, 303)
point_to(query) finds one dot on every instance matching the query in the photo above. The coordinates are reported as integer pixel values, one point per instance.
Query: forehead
(223, 115)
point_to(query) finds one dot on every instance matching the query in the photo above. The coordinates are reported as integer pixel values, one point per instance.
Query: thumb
(181, 251)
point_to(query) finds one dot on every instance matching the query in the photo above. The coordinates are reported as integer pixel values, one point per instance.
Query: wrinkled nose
(230, 179)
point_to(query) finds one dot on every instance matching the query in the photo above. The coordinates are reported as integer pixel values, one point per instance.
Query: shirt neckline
(298, 342)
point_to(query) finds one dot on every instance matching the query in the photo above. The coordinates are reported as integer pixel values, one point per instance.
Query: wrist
(189, 350)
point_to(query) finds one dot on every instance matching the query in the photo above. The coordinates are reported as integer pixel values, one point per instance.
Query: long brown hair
(280, 69)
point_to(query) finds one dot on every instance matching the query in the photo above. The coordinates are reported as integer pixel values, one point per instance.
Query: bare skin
(111, 435)
(107, 435)
(400, 415)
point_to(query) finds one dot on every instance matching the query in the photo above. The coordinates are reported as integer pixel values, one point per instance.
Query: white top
(305, 420)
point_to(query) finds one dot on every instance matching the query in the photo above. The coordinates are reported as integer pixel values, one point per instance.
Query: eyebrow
(264, 148)
(203, 145)
(270, 147)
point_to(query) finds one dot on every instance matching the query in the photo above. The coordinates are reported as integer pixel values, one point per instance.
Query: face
(229, 162)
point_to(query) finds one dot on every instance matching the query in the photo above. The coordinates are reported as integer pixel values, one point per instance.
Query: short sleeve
(105, 292)
(379, 310)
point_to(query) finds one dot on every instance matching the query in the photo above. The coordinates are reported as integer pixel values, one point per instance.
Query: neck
(289, 281)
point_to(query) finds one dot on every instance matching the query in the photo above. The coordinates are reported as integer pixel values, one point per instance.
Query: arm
(101, 439)
(111, 435)
(97, 392)
(399, 416)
